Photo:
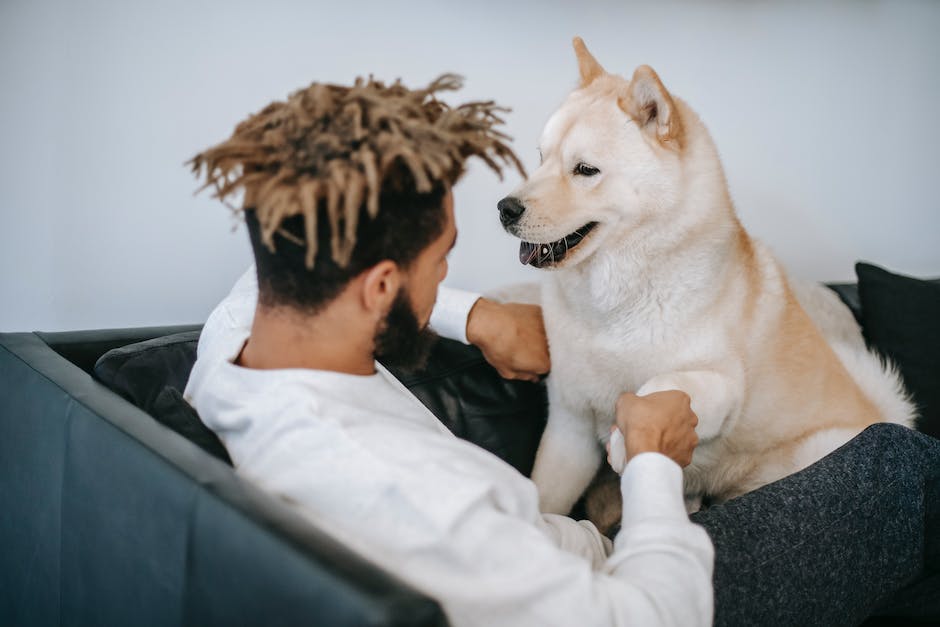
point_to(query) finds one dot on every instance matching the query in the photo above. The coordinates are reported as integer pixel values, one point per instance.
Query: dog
(655, 285)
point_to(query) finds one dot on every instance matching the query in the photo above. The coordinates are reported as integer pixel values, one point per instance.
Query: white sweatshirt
(365, 461)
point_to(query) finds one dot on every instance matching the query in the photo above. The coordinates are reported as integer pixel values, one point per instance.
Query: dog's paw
(660, 383)
(715, 397)
(616, 451)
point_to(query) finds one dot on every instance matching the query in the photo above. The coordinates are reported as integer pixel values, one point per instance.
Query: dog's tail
(876, 375)
(880, 381)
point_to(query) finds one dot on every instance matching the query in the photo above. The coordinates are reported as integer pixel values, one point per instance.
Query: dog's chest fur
(609, 337)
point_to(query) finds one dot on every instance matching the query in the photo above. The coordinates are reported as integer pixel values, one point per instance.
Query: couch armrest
(107, 517)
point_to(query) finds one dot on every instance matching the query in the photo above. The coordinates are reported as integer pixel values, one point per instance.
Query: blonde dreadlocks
(339, 146)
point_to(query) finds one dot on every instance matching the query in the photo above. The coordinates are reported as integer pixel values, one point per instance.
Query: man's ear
(380, 286)
(648, 102)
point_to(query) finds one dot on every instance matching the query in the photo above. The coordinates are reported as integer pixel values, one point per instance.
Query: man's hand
(512, 338)
(662, 422)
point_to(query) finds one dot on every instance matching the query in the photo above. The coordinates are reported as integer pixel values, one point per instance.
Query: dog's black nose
(510, 210)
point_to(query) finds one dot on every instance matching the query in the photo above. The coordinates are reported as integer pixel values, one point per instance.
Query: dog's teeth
(544, 250)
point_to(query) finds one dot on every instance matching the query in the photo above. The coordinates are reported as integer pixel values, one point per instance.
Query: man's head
(347, 192)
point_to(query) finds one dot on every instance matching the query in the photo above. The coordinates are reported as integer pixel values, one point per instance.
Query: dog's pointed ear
(587, 64)
(648, 102)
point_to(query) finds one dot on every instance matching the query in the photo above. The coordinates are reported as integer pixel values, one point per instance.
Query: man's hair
(405, 225)
(336, 179)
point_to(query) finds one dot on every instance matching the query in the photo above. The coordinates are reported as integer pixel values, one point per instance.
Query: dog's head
(610, 162)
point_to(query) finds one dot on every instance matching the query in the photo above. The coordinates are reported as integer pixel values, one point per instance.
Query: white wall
(825, 115)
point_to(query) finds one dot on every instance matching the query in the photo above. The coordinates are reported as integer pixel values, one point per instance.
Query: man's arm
(659, 571)
(490, 558)
(660, 436)
(511, 335)
(512, 338)
(498, 568)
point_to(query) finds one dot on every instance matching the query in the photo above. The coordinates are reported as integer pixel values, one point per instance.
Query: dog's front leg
(567, 459)
(715, 397)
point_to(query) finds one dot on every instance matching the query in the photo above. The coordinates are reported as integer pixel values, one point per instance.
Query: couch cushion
(901, 319)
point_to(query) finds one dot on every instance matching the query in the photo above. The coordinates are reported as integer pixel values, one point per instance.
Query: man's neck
(331, 340)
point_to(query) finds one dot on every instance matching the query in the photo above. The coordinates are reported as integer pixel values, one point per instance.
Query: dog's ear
(648, 102)
(587, 64)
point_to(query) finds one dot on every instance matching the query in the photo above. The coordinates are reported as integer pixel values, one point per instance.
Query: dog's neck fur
(662, 275)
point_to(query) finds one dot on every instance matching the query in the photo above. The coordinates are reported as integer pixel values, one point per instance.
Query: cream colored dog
(657, 286)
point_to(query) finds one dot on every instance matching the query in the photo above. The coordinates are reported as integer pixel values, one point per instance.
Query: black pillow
(151, 374)
(140, 371)
(901, 319)
(172, 410)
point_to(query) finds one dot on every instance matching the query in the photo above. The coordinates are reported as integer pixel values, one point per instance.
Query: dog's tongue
(539, 255)
(528, 252)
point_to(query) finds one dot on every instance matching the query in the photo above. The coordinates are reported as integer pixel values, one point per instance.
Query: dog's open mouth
(540, 255)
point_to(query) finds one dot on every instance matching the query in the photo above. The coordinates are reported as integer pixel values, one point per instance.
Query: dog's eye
(583, 169)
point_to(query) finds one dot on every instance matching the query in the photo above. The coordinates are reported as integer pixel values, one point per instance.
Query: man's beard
(400, 341)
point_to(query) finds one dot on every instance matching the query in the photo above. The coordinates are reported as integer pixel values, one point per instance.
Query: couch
(113, 515)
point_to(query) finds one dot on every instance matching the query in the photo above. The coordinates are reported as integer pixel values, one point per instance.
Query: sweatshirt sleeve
(660, 561)
(659, 550)
(451, 311)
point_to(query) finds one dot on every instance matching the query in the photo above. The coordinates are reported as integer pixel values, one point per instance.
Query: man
(348, 205)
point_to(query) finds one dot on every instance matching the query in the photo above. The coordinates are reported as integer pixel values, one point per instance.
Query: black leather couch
(107, 517)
